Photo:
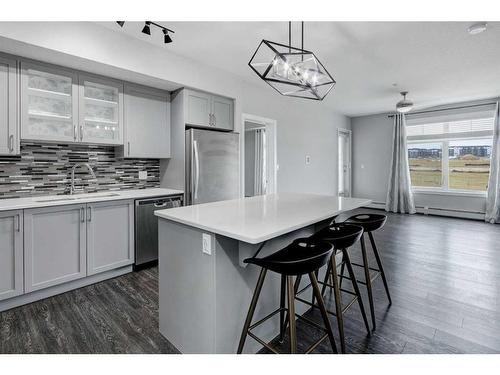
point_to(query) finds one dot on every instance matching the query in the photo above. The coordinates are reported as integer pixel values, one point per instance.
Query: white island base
(204, 298)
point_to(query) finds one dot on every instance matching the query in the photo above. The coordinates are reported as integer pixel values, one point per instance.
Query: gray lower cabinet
(54, 246)
(11, 254)
(110, 235)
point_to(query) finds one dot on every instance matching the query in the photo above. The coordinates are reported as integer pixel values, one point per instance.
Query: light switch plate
(206, 243)
(143, 175)
(308, 160)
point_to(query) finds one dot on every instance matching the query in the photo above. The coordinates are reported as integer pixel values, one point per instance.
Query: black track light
(166, 38)
(146, 29)
(121, 23)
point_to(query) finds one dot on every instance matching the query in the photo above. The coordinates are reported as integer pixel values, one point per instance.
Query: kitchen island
(204, 286)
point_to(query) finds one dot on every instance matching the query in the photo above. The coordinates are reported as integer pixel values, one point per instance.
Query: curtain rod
(446, 109)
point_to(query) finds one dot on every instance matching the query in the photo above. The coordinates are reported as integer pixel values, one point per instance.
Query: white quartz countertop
(261, 218)
(61, 200)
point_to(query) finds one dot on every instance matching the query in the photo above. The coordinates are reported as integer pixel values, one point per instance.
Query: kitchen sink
(77, 197)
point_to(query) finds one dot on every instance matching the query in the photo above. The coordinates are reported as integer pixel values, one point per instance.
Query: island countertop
(260, 218)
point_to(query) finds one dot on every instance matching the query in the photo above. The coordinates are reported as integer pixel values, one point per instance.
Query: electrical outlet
(308, 160)
(143, 175)
(206, 243)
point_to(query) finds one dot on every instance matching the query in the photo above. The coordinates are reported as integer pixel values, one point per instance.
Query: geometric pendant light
(290, 70)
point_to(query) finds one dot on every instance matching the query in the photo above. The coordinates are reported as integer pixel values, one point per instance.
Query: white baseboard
(463, 214)
(63, 288)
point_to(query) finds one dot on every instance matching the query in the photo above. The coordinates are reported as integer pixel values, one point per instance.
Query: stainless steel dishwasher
(146, 228)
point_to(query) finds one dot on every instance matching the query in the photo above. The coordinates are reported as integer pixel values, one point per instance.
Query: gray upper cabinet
(9, 135)
(210, 111)
(198, 108)
(11, 254)
(49, 103)
(54, 246)
(101, 110)
(222, 113)
(61, 105)
(147, 122)
(110, 235)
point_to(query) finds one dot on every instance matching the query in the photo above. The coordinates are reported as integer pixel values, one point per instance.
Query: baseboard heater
(450, 212)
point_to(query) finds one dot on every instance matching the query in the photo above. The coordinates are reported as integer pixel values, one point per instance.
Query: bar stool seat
(302, 257)
(369, 222)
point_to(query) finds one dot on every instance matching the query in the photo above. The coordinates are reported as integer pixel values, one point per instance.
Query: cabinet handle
(81, 132)
(11, 143)
(128, 146)
(18, 223)
(82, 214)
(215, 119)
(89, 213)
(209, 119)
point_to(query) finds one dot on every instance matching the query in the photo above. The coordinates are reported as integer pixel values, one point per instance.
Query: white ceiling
(437, 62)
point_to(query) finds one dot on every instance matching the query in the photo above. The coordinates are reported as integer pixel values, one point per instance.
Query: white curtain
(493, 199)
(260, 178)
(399, 194)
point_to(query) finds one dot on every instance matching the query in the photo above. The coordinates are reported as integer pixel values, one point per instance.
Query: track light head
(146, 29)
(166, 38)
(121, 23)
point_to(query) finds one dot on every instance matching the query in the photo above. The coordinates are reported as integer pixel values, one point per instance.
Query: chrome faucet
(72, 190)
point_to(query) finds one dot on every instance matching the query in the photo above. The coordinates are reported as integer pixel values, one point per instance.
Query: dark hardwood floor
(444, 276)
(115, 316)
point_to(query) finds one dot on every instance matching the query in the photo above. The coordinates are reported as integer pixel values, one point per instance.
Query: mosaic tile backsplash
(45, 169)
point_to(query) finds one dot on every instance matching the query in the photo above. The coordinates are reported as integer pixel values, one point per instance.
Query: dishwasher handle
(160, 204)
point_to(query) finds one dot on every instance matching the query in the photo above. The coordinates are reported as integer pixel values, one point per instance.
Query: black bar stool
(342, 237)
(370, 223)
(302, 257)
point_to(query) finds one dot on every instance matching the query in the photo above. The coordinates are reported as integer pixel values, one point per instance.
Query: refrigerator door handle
(196, 170)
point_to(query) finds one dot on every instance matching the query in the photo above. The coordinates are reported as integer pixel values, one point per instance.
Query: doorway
(344, 162)
(259, 161)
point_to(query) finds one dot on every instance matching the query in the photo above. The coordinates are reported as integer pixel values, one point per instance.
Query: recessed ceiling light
(477, 28)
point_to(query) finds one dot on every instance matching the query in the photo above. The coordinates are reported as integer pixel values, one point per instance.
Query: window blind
(474, 122)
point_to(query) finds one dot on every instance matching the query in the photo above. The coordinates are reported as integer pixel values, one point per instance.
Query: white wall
(303, 127)
(372, 143)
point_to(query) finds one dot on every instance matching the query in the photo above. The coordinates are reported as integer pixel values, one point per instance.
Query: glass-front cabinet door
(49, 103)
(101, 110)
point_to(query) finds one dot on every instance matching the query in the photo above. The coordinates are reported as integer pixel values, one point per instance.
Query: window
(426, 164)
(451, 151)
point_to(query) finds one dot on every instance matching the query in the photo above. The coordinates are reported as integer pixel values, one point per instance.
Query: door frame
(349, 133)
(272, 154)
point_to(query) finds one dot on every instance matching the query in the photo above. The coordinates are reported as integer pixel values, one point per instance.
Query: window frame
(445, 165)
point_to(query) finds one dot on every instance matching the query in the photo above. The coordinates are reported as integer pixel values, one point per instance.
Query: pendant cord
(302, 55)
(302, 34)
(289, 36)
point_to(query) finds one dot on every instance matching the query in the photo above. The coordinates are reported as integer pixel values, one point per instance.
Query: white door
(101, 110)
(344, 164)
(11, 254)
(54, 246)
(49, 103)
(9, 142)
(110, 235)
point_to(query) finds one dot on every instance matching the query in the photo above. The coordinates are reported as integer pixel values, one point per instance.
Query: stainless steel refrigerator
(212, 166)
